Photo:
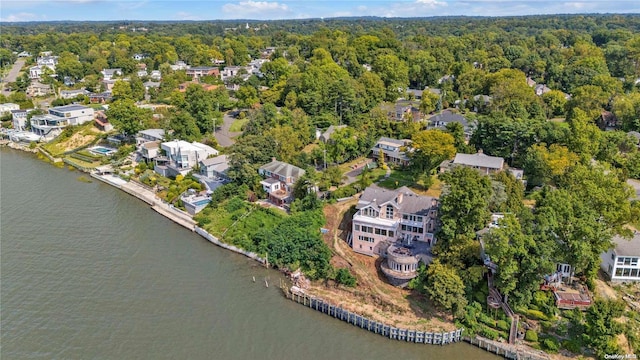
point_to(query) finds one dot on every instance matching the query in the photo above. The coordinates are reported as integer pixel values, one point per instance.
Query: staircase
(495, 294)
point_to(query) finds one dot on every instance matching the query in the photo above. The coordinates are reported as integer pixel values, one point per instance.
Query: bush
(573, 345)
(344, 277)
(536, 315)
(489, 333)
(531, 335)
(483, 318)
(551, 344)
(503, 325)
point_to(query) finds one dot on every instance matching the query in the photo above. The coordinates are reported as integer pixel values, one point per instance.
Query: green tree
(429, 102)
(122, 90)
(445, 287)
(431, 147)
(69, 65)
(554, 102)
(602, 327)
(184, 126)
(126, 116)
(464, 207)
(394, 73)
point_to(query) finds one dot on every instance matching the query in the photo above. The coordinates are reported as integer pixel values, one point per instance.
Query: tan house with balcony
(386, 216)
(279, 180)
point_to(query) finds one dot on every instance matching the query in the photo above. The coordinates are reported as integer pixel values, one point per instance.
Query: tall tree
(431, 147)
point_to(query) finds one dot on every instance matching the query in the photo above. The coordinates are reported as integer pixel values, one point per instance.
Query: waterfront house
(394, 151)
(59, 117)
(19, 119)
(279, 180)
(215, 167)
(622, 262)
(485, 164)
(181, 156)
(385, 216)
(194, 202)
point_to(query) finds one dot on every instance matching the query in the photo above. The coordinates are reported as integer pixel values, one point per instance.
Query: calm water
(88, 272)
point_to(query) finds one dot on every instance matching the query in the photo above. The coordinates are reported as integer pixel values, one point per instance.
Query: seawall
(421, 337)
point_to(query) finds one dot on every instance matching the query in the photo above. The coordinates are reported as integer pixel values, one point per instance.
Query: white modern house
(622, 263)
(51, 124)
(147, 135)
(19, 119)
(181, 156)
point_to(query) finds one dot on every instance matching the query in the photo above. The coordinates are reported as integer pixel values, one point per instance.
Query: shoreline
(185, 220)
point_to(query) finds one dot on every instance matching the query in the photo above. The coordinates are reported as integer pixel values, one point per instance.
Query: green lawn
(238, 125)
(397, 179)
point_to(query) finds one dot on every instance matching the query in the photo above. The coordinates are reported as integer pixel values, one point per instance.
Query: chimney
(399, 198)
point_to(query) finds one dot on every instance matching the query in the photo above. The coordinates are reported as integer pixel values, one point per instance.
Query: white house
(71, 94)
(19, 119)
(51, 124)
(147, 135)
(35, 72)
(109, 74)
(6, 108)
(622, 263)
(181, 156)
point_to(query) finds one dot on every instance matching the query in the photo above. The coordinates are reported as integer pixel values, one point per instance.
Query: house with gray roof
(622, 261)
(386, 216)
(279, 180)
(393, 150)
(215, 167)
(485, 164)
(441, 120)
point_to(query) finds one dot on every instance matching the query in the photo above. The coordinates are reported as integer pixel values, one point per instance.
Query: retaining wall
(214, 240)
(422, 337)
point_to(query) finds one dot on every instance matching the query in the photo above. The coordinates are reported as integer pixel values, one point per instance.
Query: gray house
(215, 167)
(441, 120)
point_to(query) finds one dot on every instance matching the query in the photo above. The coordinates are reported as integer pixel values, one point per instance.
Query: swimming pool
(201, 202)
(101, 150)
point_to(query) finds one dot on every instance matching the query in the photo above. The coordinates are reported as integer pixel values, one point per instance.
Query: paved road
(12, 75)
(223, 135)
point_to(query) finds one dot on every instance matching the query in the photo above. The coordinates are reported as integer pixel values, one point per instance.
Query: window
(389, 212)
(419, 218)
(613, 256)
(390, 233)
(618, 272)
(357, 227)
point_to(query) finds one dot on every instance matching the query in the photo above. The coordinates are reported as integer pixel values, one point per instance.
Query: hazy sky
(37, 10)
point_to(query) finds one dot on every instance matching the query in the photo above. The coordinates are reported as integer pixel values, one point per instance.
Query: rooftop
(448, 116)
(283, 169)
(406, 200)
(627, 247)
(479, 160)
(72, 107)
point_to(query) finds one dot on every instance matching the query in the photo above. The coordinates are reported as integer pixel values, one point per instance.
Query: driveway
(12, 75)
(223, 135)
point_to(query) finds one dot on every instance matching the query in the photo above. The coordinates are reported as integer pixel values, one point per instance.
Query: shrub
(536, 315)
(551, 344)
(531, 335)
(489, 333)
(486, 320)
(573, 345)
(503, 325)
(344, 277)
